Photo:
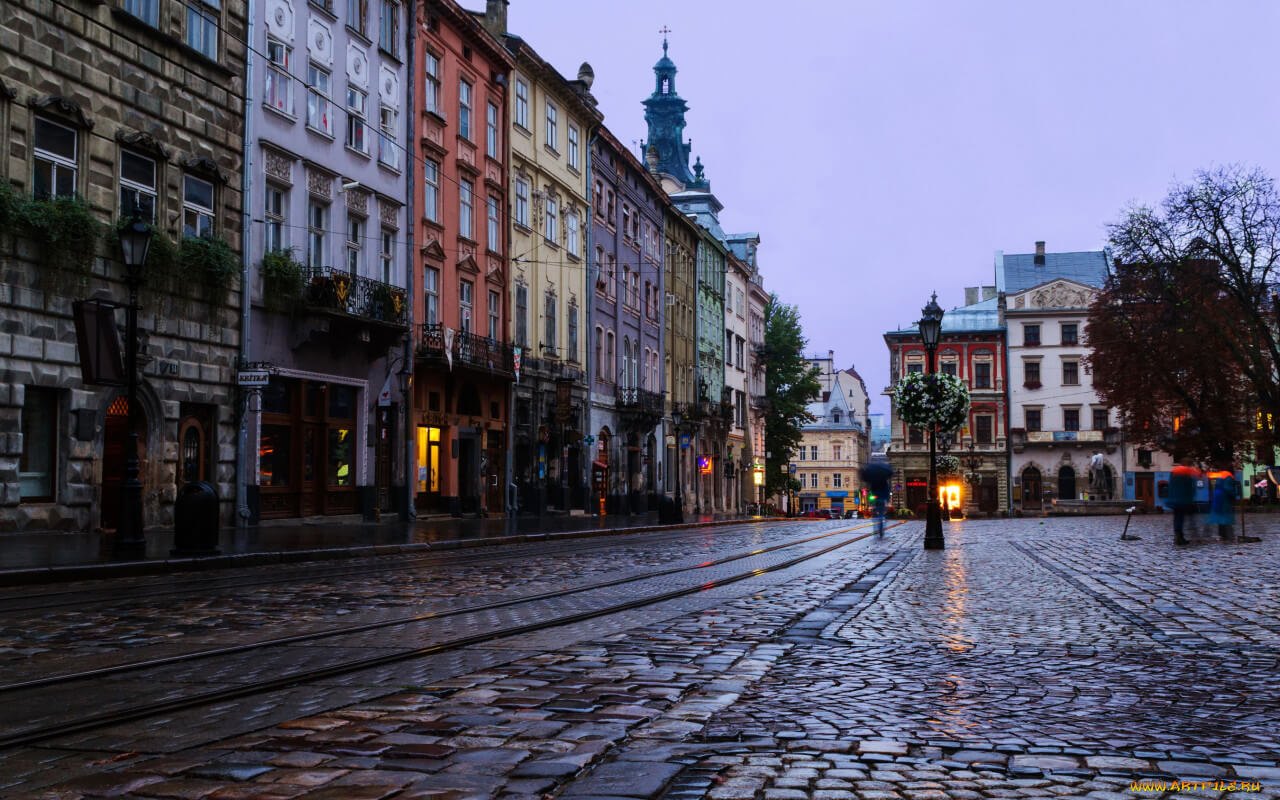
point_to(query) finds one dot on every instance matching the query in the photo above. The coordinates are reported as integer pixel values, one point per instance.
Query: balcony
(1019, 438)
(342, 294)
(640, 408)
(465, 351)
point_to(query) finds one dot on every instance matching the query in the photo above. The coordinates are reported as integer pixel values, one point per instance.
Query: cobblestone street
(1032, 658)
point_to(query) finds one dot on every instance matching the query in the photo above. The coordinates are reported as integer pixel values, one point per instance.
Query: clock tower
(664, 113)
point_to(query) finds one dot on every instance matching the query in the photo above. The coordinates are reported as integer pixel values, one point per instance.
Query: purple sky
(887, 149)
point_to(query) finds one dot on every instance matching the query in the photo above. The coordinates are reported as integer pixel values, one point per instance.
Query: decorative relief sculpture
(319, 184)
(278, 166)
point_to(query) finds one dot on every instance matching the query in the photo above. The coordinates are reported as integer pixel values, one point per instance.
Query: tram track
(19, 602)
(18, 735)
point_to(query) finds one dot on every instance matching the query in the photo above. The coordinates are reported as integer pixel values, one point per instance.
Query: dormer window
(835, 417)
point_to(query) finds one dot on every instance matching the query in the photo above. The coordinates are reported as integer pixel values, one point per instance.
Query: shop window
(38, 464)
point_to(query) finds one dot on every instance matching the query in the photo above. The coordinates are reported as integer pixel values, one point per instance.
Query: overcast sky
(887, 149)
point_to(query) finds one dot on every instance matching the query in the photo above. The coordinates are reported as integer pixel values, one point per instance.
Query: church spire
(664, 113)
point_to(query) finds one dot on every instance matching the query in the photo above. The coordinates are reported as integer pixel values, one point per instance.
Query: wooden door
(311, 465)
(1031, 490)
(1144, 489)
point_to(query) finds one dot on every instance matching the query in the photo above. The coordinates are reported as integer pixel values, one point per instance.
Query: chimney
(970, 295)
(1039, 254)
(831, 356)
(495, 17)
(988, 292)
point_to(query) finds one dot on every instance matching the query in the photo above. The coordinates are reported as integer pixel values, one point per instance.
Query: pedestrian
(876, 475)
(1182, 495)
(1222, 509)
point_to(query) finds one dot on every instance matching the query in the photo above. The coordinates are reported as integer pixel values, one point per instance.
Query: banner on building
(448, 346)
(515, 360)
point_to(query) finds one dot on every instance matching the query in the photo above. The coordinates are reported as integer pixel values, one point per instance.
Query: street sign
(253, 378)
(685, 441)
(792, 468)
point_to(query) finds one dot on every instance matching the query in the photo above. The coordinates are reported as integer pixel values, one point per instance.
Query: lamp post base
(933, 527)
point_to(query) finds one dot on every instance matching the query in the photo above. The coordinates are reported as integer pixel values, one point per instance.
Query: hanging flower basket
(948, 464)
(926, 400)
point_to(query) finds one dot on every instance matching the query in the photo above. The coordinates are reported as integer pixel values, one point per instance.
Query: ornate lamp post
(135, 241)
(930, 330)
(972, 463)
(676, 418)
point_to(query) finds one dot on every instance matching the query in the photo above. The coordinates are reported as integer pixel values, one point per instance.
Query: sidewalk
(45, 557)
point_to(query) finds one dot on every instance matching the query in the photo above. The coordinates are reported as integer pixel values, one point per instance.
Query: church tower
(664, 112)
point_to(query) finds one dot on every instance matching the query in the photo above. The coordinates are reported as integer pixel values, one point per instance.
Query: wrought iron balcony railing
(640, 401)
(339, 292)
(465, 350)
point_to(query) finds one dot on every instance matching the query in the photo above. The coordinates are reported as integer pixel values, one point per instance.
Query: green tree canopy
(790, 385)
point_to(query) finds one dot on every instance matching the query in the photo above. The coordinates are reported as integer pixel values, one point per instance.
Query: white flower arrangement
(926, 400)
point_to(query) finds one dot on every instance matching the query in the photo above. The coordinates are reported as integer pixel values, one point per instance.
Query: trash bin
(195, 520)
(669, 512)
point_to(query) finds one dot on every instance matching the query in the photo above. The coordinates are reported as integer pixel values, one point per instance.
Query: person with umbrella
(876, 475)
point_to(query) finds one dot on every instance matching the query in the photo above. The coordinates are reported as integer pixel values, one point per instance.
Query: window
(813, 480)
(38, 464)
(137, 186)
(915, 435)
(146, 10)
(1071, 419)
(465, 191)
(551, 226)
(202, 27)
(522, 202)
(835, 480)
(522, 315)
(389, 27)
(491, 129)
(626, 221)
(549, 314)
(553, 138)
(358, 16)
(982, 375)
(802, 452)
(318, 112)
(495, 315)
(1031, 335)
(355, 243)
(431, 195)
(633, 290)
(599, 364)
(56, 151)
(388, 255)
(835, 450)
(1070, 373)
(742, 362)
(357, 127)
(571, 234)
(573, 331)
(279, 94)
(431, 288)
(728, 346)
(1031, 374)
(915, 368)
(982, 429)
(1101, 419)
(948, 367)
(276, 207)
(813, 452)
(197, 207)
(522, 104)
(609, 206)
(573, 147)
(466, 291)
(317, 217)
(609, 357)
(464, 109)
(431, 89)
(388, 150)
(1070, 333)
(491, 214)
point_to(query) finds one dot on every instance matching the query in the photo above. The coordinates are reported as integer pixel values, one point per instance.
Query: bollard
(1124, 535)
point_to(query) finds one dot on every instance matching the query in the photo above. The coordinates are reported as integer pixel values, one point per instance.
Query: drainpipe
(589, 294)
(410, 222)
(244, 467)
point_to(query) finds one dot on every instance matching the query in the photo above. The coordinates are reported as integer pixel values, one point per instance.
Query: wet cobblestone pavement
(1029, 659)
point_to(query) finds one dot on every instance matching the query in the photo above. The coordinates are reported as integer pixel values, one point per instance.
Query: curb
(84, 572)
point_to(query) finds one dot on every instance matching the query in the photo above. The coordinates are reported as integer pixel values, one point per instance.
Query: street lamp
(930, 329)
(972, 463)
(135, 241)
(676, 419)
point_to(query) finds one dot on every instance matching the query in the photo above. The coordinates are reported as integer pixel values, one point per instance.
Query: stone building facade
(552, 121)
(327, 174)
(680, 345)
(134, 107)
(626, 376)
(464, 363)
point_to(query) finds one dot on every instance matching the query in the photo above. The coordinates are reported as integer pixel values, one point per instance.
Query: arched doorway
(1066, 483)
(115, 443)
(1031, 489)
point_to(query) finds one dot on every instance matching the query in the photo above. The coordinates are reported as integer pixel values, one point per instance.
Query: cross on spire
(664, 31)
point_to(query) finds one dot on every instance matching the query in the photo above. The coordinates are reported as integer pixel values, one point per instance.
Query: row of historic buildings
(399, 264)
(1035, 423)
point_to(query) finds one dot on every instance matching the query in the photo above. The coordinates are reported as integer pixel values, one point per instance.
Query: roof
(1016, 272)
(983, 316)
